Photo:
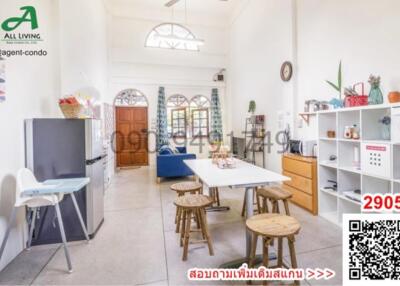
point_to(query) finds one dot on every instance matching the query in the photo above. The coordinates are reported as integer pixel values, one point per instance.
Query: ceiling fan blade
(171, 3)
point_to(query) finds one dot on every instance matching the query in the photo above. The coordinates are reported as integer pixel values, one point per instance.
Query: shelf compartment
(348, 118)
(327, 149)
(371, 127)
(396, 187)
(396, 162)
(328, 206)
(349, 152)
(326, 122)
(348, 182)
(347, 206)
(374, 185)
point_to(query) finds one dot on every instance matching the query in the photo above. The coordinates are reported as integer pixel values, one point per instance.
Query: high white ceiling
(193, 6)
(217, 6)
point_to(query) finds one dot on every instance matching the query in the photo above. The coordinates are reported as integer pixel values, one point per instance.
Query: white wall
(260, 41)
(132, 65)
(363, 34)
(83, 43)
(32, 89)
(74, 34)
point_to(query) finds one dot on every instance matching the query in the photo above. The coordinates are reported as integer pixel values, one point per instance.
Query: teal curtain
(216, 118)
(162, 127)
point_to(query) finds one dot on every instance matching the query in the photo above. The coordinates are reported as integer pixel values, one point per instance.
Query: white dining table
(243, 175)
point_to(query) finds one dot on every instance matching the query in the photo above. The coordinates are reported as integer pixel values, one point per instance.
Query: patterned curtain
(216, 118)
(162, 127)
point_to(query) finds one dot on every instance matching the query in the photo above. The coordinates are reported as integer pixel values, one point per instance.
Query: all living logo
(26, 20)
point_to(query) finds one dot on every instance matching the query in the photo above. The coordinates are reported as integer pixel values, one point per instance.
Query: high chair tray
(64, 186)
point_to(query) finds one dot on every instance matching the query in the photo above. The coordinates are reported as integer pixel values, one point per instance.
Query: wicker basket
(71, 110)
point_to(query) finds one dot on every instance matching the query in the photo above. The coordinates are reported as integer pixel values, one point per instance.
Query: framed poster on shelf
(2, 80)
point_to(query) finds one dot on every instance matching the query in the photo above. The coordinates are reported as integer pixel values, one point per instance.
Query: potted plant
(337, 102)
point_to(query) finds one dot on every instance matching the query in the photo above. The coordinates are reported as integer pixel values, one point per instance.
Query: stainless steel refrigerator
(67, 148)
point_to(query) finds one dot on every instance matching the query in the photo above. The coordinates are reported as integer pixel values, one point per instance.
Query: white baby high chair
(27, 181)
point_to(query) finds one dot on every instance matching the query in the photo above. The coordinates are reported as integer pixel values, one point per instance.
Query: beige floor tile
(129, 249)
(324, 258)
(137, 245)
(23, 269)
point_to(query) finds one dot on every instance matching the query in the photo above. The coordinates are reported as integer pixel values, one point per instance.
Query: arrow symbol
(329, 273)
(310, 273)
(320, 274)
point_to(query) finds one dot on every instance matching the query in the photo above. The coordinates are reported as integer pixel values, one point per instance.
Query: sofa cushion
(165, 150)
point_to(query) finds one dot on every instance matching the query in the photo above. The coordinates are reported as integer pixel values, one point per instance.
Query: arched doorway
(131, 124)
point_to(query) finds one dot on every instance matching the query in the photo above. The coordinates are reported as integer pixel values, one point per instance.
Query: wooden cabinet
(303, 186)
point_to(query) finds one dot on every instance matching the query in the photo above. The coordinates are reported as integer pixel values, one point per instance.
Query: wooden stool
(274, 195)
(270, 226)
(194, 205)
(181, 189)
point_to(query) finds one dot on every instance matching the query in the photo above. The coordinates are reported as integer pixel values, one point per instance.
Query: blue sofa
(172, 165)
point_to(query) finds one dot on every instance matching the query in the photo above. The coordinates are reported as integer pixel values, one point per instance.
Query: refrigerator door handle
(94, 161)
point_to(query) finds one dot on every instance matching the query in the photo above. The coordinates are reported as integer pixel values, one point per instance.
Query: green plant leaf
(333, 85)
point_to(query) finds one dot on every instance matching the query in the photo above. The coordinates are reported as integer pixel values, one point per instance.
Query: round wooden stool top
(274, 193)
(193, 201)
(186, 187)
(273, 225)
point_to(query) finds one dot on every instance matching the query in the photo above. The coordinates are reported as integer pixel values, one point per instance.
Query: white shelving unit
(349, 176)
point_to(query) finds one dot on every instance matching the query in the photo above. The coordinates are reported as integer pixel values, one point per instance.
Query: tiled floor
(137, 244)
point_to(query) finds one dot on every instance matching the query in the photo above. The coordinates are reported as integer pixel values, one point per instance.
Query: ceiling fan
(173, 2)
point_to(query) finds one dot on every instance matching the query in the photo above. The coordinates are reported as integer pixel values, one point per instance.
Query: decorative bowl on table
(228, 163)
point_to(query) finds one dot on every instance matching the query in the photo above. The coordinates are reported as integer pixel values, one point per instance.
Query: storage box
(375, 159)
(353, 101)
(357, 100)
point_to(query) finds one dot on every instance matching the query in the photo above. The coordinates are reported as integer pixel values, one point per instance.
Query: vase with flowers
(385, 121)
(375, 95)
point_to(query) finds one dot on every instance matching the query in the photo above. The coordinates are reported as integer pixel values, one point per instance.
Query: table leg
(213, 208)
(78, 212)
(249, 213)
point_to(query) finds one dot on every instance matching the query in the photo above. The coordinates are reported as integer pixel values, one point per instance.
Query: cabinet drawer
(302, 199)
(299, 182)
(297, 167)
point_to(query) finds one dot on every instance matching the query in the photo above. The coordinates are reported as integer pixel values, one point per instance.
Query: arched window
(200, 115)
(130, 97)
(172, 36)
(177, 109)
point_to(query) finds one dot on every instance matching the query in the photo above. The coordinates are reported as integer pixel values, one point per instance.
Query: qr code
(371, 247)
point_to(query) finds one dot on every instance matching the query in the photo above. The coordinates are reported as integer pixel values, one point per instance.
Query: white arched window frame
(200, 116)
(177, 110)
(131, 97)
(172, 36)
